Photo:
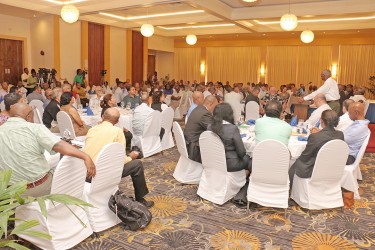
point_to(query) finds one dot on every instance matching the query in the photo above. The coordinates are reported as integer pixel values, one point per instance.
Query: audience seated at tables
(272, 95)
(132, 99)
(233, 96)
(158, 101)
(235, 152)
(81, 92)
(36, 95)
(27, 159)
(197, 123)
(9, 100)
(50, 112)
(321, 104)
(140, 115)
(359, 95)
(271, 126)
(357, 132)
(66, 102)
(95, 100)
(106, 133)
(198, 99)
(303, 166)
(120, 93)
(345, 120)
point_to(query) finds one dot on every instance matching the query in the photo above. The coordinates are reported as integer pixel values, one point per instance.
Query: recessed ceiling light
(152, 15)
(64, 2)
(321, 20)
(249, 1)
(197, 26)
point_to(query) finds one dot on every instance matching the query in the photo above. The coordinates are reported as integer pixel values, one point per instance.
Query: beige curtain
(356, 65)
(312, 60)
(187, 64)
(233, 64)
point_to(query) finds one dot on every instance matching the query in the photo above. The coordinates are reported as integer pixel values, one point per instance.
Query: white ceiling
(246, 18)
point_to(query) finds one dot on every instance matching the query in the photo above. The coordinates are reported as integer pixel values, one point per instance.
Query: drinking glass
(122, 104)
(128, 105)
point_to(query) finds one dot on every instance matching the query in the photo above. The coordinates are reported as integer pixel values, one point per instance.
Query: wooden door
(151, 66)
(10, 60)
(96, 52)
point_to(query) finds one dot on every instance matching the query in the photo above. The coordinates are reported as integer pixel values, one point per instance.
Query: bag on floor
(134, 214)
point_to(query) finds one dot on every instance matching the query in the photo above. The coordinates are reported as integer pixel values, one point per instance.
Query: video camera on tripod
(48, 75)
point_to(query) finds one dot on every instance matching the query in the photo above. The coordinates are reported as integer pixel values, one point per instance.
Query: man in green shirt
(22, 149)
(271, 126)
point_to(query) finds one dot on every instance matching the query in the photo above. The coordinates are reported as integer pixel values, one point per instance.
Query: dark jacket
(304, 165)
(156, 106)
(50, 113)
(251, 98)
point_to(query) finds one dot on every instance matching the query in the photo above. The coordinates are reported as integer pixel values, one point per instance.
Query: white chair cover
(37, 104)
(252, 110)
(236, 106)
(167, 99)
(216, 184)
(65, 123)
(166, 123)
(352, 172)
(37, 116)
(186, 171)
(269, 180)
(61, 224)
(149, 142)
(323, 189)
(109, 165)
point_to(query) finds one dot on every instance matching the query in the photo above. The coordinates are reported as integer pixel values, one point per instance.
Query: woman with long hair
(109, 101)
(223, 126)
(66, 105)
(158, 101)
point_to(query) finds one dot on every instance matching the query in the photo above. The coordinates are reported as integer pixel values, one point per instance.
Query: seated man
(94, 102)
(271, 126)
(36, 95)
(106, 133)
(272, 95)
(321, 104)
(359, 95)
(253, 96)
(198, 122)
(197, 100)
(50, 112)
(303, 166)
(27, 159)
(48, 95)
(81, 92)
(345, 120)
(356, 133)
(132, 99)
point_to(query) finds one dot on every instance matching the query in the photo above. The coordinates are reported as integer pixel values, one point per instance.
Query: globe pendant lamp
(191, 39)
(147, 30)
(69, 13)
(307, 36)
(288, 21)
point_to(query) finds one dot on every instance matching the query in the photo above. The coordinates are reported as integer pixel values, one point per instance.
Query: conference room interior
(242, 42)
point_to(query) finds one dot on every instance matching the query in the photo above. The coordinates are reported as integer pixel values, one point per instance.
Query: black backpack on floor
(134, 214)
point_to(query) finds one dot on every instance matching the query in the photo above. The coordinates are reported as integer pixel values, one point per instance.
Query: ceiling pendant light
(147, 30)
(69, 13)
(191, 39)
(307, 36)
(288, 21)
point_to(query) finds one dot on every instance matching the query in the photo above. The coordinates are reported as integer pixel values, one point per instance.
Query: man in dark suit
(197, 123)
(52, 109)
(304, 165)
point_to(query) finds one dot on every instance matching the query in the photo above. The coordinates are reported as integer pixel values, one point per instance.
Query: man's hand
(314, 130)
(133, 155)
(301, 100)
(91, 169)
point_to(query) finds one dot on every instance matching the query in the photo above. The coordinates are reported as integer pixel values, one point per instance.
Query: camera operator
(79, 78)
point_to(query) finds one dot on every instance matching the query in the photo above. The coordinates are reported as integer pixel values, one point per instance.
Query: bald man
(321, 104)
(198, 99)
(356, 133)
(106, 133)
(22, 150)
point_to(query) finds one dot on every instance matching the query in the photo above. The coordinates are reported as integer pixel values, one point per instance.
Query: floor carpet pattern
(183, 221)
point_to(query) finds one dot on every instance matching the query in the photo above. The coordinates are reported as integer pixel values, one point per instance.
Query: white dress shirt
(315, 116)
(329, 89)
(24, 77)
(344, 122)
(357, 98)
(120, 94)
(206, 93)
(139, 117)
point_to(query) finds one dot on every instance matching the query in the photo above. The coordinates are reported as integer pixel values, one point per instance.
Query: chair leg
(343, 210)
(285, 212)
(248, 206)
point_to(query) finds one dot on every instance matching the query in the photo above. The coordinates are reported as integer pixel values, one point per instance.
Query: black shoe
(148, 204)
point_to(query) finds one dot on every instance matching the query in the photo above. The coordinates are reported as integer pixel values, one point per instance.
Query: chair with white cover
(37, 116)
(38, 104)
(66, 126)
(109, 165)
(217, 184)
(252, 111)
(269, 180)
(236, 106)
(352, 172)
(323, 189)
(166, 123)
(149, 142)
(61, 223)
(187, 171)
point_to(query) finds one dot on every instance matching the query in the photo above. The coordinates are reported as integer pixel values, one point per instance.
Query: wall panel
(96, 52)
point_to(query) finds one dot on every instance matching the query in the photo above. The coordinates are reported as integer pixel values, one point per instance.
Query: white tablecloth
(125, 120)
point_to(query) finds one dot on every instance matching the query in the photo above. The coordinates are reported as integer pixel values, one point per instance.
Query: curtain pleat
(187, 64)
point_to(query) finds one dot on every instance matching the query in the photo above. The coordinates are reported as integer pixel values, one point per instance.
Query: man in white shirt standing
(120, 93)
(321, 104)
(345, 120)
(329, 89)
(25, 75)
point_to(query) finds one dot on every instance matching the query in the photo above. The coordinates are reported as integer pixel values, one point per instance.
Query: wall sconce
(334, 70)
(202, 68)
(262, 70)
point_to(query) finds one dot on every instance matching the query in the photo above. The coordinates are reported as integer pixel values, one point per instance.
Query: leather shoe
(148, 204)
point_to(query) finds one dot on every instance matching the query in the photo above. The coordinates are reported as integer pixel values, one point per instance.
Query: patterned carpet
(181, 220)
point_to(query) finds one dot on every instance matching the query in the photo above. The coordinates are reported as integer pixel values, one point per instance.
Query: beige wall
(17, 28)
(117, 54)
(164, 64)
(161, 43)
(41, 30)
(70, 49)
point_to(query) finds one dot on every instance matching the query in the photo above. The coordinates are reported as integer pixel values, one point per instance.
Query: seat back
(362, 150)
(270, 170)
(38, 104)
(252, 110)
(65, 125)
(180, 139)
(37, 116)
(330, 162)
(167, 119)
(69, 177)
(109, 165)
(152, 124)
(236, 106)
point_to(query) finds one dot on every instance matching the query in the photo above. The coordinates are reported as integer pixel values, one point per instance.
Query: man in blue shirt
(356, 133)
(197, 100)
